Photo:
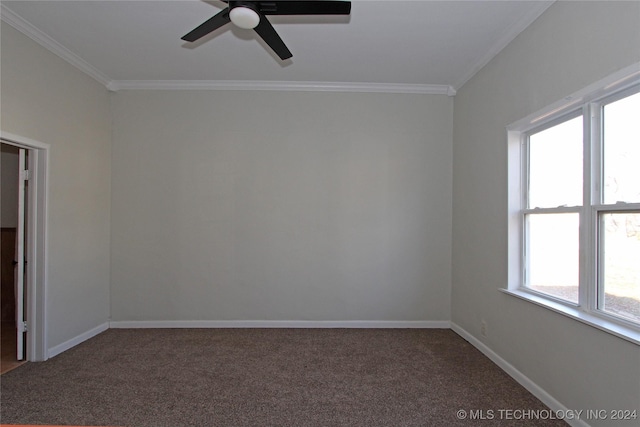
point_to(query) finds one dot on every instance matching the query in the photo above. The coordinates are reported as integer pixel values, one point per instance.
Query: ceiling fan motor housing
(244, 14)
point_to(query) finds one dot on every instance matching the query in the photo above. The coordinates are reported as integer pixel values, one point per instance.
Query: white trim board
(283, 86)
(26, 28)
(56, 350)
(522, 379)
(44, 40)
(56, 48)
(37, 235)
(386, 324)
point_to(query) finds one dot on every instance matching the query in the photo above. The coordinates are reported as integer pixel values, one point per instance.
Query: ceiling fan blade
(271, 37)
(208, 26)
(320, 7)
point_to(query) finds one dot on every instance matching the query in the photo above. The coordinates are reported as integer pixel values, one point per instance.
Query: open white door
(33, 190)
(19, 258)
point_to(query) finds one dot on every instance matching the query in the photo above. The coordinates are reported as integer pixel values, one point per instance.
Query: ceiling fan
(252, 15)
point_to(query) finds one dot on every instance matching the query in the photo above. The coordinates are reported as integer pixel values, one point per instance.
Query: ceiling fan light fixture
(244, 17)
(253, 15)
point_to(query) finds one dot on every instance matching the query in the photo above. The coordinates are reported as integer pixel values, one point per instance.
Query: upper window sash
(600, 145)
(526, 157)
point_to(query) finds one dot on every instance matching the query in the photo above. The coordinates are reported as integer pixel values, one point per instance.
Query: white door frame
(37, 233)
(19, 257)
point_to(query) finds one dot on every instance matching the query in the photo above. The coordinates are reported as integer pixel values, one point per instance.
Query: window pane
(622, 150)
(555, 165)
(620, 264)
(552, 254)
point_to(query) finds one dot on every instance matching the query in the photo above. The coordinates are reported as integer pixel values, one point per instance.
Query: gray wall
(569, 47)
(281, 206)
(46, 99)
(317, 206)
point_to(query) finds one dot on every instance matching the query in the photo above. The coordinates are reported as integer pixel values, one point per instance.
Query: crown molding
(506, 38)
(117, 85)
(17, 22)
(8, 16)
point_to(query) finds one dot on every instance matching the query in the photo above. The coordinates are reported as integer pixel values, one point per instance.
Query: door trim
(37, 235)
(20, 256)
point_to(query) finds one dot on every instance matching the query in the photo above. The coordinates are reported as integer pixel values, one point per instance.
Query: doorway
(24, 234)
(12, 219)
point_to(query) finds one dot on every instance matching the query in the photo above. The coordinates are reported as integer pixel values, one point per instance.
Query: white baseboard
(134, 324)
(56, 350)
(522, 379)
(400, 324)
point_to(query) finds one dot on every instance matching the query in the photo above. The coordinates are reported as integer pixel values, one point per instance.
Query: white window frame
(588, 104)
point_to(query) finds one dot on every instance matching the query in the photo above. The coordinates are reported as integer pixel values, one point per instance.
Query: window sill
(575, 313)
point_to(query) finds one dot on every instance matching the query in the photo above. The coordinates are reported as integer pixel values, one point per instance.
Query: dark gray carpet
(265, 377)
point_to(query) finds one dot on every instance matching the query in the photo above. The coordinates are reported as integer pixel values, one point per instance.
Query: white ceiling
(426, 45)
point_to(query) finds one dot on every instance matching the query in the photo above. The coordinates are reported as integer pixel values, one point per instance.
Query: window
(574, 201)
